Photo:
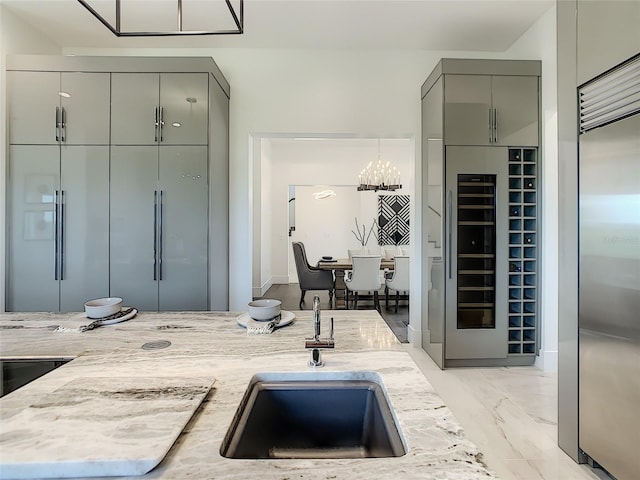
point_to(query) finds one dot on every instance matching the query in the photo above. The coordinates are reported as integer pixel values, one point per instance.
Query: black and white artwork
(393, 220)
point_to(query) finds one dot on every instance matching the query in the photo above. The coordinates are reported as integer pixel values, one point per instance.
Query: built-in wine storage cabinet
(476, 251)
(523, 250)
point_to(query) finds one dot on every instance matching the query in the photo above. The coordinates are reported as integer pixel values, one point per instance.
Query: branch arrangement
(362, 236)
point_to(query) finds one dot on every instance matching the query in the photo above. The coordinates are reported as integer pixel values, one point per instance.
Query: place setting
(264, 316)
(101, 312)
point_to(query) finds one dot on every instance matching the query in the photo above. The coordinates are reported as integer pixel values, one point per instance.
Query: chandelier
(157, 18)
(381, 176)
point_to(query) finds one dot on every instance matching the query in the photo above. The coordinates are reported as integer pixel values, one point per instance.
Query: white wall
(539, 42)
(15, 37)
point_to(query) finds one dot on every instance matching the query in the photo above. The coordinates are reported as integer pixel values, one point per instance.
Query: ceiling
(467, 25)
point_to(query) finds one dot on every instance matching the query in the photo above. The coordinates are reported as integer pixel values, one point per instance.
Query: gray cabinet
(58, 226)
(480, 128)
(499, 110)
(108, 182)
(167, 108)
(47, 108)
(159, 223)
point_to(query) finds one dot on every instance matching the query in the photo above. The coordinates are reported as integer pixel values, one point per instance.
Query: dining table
(341, 265)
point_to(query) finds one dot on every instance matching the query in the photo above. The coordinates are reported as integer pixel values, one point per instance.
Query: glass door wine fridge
(476, 246)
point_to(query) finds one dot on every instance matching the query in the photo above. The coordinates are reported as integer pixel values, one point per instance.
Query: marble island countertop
(212, 346)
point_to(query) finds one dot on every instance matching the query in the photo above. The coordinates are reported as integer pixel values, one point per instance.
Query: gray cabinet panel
(515, 100)
(467, 109)
(184, 192)
(85, 99)
(134, 108)
(32, 98)
(149, 108)
(184, 103)
(491, 110)
(34, 178)
(85, 236)
(77, 102)
(134, 182)
(476, 343)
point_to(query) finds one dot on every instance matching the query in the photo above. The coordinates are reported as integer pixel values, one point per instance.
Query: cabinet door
(134, 108)
(467, 104)
(85, 233)
(32, 100)
(33, 181)
(183, 236)
(133, 230)
(184, 101)
(515, 100)
(85, 102)
(476, 253)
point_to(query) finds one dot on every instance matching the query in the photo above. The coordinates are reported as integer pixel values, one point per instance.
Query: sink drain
(157, 345)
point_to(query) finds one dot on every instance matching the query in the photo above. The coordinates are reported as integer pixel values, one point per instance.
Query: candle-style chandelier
(381, 176)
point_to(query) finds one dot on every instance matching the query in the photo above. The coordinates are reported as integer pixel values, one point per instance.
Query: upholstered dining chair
(399, 280)
(309, 277)
(365, 276)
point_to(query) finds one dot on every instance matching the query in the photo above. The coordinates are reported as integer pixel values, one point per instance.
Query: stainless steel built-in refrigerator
(609, 288)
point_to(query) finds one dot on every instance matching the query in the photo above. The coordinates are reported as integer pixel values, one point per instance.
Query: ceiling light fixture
(381, 176)
(160, 18)
(324, 194)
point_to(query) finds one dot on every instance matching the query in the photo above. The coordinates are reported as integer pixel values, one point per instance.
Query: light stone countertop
(211, 344)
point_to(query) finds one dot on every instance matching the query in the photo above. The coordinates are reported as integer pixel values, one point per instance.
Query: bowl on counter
(103, 307)
(264, 309)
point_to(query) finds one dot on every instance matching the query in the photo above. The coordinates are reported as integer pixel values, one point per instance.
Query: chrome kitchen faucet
(316, 343)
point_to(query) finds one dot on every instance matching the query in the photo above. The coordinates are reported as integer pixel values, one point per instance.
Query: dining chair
(309, 277)
(399, 280)
(365, 276)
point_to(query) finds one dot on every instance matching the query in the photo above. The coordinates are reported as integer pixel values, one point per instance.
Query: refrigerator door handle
(449, 229)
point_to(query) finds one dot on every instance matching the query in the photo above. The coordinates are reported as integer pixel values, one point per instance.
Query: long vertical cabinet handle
(160, 234)
(56, 238)
(57, 124)
(62, 220)
(161, 126)
(155, 235)
(495, 125)
(157, 127)
(490, 125)
(449, 229)
(63, 125)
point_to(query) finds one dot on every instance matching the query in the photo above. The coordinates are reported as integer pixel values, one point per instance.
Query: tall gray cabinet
(117, 182)
(480, 139)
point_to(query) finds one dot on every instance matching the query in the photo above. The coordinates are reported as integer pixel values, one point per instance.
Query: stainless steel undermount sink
(314, 415)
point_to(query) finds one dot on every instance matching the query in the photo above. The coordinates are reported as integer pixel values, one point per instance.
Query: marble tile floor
(510, 413)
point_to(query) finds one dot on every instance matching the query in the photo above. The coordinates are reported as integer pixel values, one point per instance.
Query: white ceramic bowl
(103, 307)
(264, 309)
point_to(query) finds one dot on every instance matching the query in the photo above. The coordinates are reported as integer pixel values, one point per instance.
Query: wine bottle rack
(523, 251)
